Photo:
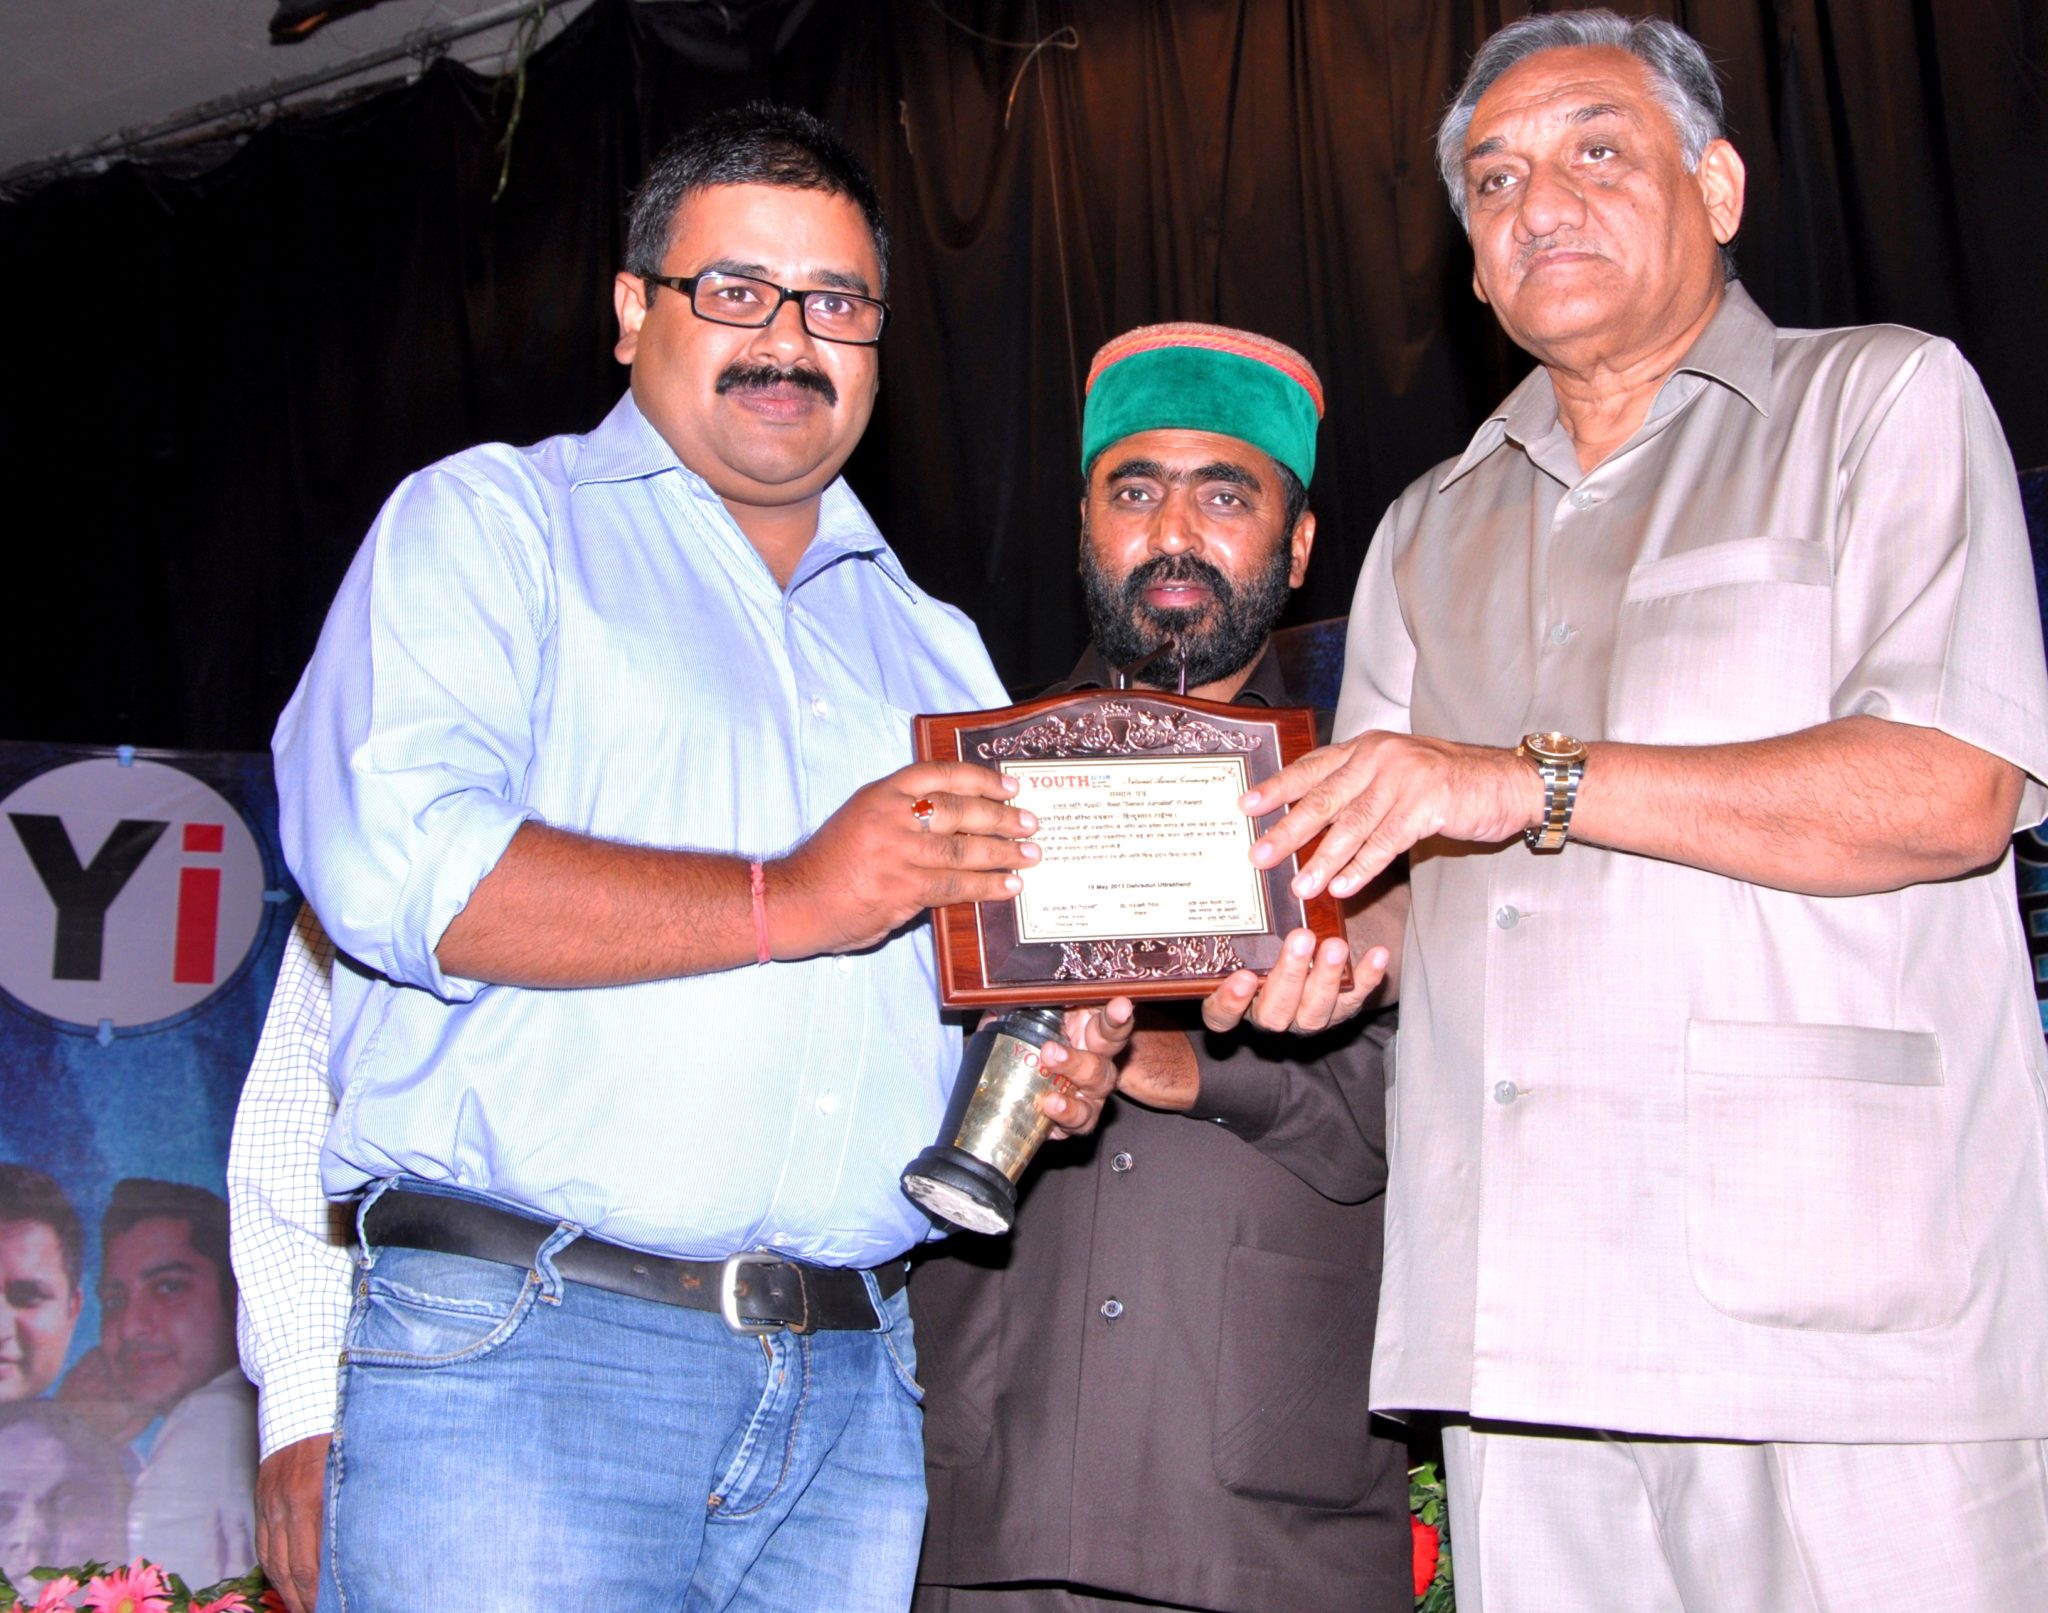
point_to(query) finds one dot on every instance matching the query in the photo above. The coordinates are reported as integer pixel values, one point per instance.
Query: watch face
(1554, 747)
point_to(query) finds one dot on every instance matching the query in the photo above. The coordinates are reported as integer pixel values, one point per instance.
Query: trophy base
(951, 1185)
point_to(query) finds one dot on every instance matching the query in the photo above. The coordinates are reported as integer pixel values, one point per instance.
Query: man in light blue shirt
(598, 779)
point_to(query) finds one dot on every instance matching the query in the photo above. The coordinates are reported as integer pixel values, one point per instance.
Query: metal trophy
(993, 1125)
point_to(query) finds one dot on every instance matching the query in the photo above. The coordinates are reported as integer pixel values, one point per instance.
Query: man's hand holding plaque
(923, 836)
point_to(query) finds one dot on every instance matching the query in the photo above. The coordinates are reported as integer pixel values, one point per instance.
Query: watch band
(1560, 761)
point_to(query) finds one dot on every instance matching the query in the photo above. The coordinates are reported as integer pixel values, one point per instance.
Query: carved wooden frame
(982, 963)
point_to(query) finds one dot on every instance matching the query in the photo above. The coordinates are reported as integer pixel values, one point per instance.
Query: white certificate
(1137, 849)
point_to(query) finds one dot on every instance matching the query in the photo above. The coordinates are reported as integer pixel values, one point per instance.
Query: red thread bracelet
(758, 883)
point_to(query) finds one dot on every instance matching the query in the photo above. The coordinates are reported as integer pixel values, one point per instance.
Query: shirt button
(1505, 1092)
(1120, 1163)
(843, 966)
(819, 706)
(1562, 633)
(1506, 917)
(1584, 499)
(828, 1104)
(1112, 1309)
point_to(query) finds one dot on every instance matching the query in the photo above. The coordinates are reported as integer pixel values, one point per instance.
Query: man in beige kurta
(1718, 1219)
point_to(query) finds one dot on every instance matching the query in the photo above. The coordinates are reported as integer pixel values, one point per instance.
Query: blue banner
(147, 902)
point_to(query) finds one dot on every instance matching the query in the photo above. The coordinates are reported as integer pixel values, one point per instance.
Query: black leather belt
(756, 1292)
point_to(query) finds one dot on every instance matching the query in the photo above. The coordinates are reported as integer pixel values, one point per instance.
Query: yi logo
(132, 892)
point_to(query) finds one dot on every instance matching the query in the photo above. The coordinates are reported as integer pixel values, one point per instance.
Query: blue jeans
(512, 1441)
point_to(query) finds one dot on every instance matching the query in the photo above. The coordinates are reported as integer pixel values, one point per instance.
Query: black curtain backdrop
(214, 376)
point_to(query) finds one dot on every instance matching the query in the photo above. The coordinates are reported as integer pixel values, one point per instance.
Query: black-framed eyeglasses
(740, 299)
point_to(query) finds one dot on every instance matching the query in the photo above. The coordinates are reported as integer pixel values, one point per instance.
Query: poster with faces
(146, 902)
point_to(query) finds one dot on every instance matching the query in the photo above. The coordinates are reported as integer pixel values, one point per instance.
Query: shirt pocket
(1723, 644)
(1820, 1176)
(851, 738)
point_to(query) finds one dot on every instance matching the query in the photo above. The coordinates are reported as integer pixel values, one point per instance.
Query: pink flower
(138, 1588)
(55, 1594)
(230, 1603)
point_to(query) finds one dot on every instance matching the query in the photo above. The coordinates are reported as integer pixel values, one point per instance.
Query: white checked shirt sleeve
(290, 1245)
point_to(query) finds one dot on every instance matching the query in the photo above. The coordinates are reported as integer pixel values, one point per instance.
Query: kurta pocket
(1820, 1176)
(959, 1360)
(1292, 1417)
(1722, 644)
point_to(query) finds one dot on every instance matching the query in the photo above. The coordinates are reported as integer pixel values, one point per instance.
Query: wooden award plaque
(1144, 888)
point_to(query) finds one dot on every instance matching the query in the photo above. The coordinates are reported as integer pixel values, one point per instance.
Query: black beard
(1221, 638)
(741, 377)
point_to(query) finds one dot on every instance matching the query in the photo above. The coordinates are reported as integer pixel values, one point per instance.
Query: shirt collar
(626, 447)
(1527, 414)
(1736, 349)
(847, 532)
(1265, 687)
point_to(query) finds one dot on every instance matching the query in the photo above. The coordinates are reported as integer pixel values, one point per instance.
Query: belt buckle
(728, 1291)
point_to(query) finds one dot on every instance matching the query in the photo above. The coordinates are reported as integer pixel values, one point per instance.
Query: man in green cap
(1154, 1389)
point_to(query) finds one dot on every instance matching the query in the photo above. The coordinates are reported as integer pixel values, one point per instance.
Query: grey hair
(1680, 74)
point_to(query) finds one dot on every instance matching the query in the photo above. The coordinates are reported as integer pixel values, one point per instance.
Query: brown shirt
(1673, 1153)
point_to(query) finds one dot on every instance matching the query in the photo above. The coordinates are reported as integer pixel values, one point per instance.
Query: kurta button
(1584, 500)
(1120, 1163)
(1112, 1309)
(1505, 1092)
(1506, 917)
(1561, 634)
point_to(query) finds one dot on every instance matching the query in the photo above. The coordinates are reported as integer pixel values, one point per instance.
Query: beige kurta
(1672, 1153)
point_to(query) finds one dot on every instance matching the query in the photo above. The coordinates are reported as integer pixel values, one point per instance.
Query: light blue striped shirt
(578, 632)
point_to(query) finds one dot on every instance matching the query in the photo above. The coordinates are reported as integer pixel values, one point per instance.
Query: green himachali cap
(1196, 377)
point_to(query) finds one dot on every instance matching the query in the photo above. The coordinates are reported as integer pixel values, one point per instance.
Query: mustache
(749, 377)
(1546, 243)
(1172, 568)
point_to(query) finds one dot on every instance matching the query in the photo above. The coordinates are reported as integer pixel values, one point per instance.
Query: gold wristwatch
(1560, 761)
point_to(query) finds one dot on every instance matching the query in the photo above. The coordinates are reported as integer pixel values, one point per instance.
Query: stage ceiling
(74, 72)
